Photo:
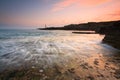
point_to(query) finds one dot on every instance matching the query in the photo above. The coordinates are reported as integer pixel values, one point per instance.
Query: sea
(32, 48)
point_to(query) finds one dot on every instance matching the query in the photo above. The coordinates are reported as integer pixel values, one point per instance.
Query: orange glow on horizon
(64, 12)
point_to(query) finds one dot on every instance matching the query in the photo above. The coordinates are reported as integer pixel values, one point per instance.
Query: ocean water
(45, 48)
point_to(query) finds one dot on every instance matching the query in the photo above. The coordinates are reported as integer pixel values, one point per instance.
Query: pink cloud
(92, 2)
(113, 15)
(116, 13)
(63, 4)
(66, 3)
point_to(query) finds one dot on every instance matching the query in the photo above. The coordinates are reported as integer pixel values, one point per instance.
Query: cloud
(116, 13)
(113, 15)
(85, 3)
(92, 2)
(63, 4)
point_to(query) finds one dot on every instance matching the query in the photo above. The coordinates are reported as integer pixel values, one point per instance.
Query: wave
(48, 49)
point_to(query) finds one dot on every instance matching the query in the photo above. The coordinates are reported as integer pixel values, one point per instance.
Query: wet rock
(41, 71)
(90, 78)
(107, 67)
(85, 65)
(112, 71)
(100, 75)
(72, 70)
(59, 69)
(45, 77)
(96, 62)
(117, 74)
(77, 78)
(112, 36)
(107, 63)
(33, 67)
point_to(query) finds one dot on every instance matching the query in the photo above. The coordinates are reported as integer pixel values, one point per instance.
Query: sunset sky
(37, 13)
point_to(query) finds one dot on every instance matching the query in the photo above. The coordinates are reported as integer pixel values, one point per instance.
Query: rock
(41, 71)
(84, 65)
(113, 40)
(96, 62)
(90, 78)
(33, 66)
(100, 75)
(112, 35)
(117, 74)
(77, 78)
(72, 70)
(44, 78)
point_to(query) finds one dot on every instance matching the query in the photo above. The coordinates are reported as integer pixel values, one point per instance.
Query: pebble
(85, 65)
(40, 70)
(96, 62)
(90, 78)
(117, 74)
(77, 78)
(72, 70)
(33, 66)
(45, 77)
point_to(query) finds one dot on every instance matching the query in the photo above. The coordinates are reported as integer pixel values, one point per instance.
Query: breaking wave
(44, 48)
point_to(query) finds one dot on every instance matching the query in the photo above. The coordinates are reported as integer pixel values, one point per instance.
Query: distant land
(95, 26)
(111, 30)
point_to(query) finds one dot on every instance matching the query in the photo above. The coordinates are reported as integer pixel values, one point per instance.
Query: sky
(37, 13)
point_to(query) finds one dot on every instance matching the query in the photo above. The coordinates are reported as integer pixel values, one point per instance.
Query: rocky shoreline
(112, 35)
(111, 30)
(113, 40)
(96, 67)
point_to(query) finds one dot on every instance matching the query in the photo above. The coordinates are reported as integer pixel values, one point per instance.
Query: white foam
(46, 50)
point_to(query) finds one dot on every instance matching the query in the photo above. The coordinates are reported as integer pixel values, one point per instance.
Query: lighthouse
(45, 26)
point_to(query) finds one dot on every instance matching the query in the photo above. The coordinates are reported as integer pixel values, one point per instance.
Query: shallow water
(45, 48)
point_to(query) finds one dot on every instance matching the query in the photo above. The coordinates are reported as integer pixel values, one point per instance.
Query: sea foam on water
(47, 48)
